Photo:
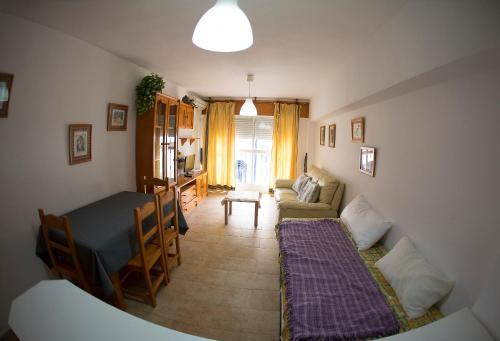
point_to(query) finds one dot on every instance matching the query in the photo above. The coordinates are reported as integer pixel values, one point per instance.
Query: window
(253, 145)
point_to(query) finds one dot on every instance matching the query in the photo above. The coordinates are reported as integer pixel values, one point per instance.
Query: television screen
(189, 165)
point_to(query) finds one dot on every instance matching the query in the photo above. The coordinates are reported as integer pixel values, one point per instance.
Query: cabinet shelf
(155, 154)
(190, 139)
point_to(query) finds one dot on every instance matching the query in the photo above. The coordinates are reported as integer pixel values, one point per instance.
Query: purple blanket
(330, 293)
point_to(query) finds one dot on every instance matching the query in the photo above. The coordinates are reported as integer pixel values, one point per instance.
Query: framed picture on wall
(322, 135)
(331, 135)
(367, 160)
(117, 117)
(80, 143)
(6, 80)
(358, 130)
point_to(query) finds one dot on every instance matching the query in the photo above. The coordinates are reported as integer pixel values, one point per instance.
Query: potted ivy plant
(146, 91)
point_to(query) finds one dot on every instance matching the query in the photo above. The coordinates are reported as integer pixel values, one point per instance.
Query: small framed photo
(80, 143)
(331, 135)
(117, 117)
(322, 135)
(358, 130)
(6, 80)
(367, 160)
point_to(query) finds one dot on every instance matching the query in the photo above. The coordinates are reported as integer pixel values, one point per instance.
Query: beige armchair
(327, 206)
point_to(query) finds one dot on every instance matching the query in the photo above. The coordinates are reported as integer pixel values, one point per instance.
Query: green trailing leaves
(146, 92)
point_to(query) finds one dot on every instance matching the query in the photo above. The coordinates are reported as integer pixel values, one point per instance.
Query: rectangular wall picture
(331, 135)
(322, 135)
(358, 130)
(5, 93)
(367, 160)
(80, 143)
(117, 117)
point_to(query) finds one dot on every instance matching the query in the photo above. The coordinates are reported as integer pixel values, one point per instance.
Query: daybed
(332, 291)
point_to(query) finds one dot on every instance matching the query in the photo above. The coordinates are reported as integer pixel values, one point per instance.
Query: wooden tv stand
(191, 190)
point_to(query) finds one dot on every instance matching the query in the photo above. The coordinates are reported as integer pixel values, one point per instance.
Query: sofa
(327, 206)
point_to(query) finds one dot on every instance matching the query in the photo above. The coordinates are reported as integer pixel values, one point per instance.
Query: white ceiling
(297, 43)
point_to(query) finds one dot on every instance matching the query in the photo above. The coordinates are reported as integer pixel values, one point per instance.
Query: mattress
(369, 257)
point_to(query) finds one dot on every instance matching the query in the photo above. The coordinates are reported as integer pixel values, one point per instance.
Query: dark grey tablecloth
(104, 233)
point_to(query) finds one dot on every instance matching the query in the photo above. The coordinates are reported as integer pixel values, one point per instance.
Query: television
(189, 164)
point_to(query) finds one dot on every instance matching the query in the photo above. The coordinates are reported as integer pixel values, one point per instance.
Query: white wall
(427, 84)
(58, 80)
(422, 36)
(436, 175)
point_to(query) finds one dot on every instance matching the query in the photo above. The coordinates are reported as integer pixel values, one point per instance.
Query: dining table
(105, 238)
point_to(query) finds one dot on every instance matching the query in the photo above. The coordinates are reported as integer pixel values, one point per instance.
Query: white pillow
(300, 182)
(366, 225)
(416, 282)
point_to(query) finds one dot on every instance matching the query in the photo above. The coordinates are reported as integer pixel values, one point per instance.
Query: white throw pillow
(416, 282)
(309, 192)
(366, 225)
(300, 182)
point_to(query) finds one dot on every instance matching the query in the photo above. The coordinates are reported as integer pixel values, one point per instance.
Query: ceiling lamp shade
(223, 28)
(248, 108)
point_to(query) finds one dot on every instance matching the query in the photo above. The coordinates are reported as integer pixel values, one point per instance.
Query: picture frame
(322, 135)
(358, 130)
(80, 143)
(331, 135)
(367, 160)
(117, 117)
(6, 80)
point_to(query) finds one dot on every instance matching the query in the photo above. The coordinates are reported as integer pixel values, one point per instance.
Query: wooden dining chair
(150, 256)
(170, 227)
(154, 185)
(169, 221)
(61, 248)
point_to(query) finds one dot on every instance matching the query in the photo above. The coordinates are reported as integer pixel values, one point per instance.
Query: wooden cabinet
(192, 190)
(202, 186)
(182, 115)
(156, 141)
(186, 116)
(189, 119)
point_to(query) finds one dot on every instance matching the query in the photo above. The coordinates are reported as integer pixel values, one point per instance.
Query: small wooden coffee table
(241, 196)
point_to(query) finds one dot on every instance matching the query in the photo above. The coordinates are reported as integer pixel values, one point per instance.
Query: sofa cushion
(285, 194)
(306, 206)
(327, 183)
(300, 182)
(327, 191)
(309, 192)
(283, 183)
(314, 172)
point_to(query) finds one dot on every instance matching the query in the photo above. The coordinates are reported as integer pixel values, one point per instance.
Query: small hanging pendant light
(248, 108)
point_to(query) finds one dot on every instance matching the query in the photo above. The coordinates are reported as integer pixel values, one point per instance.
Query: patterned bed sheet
(369, 257)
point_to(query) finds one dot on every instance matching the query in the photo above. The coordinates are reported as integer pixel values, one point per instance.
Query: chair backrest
(163, 199)
(61, 247)
(143, 238)
(150, 184)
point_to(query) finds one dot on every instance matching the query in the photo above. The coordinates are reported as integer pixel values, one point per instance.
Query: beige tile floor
(227, 287)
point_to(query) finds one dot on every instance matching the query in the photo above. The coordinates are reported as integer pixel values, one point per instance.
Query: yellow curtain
(285, 141)
(220, 149)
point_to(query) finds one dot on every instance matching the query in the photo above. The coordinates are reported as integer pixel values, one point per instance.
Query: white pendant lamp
(223, 28)
(248, 108)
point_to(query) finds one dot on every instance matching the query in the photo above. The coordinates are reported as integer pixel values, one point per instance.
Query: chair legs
(147, 278)
(164, 266)
(178, 250)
